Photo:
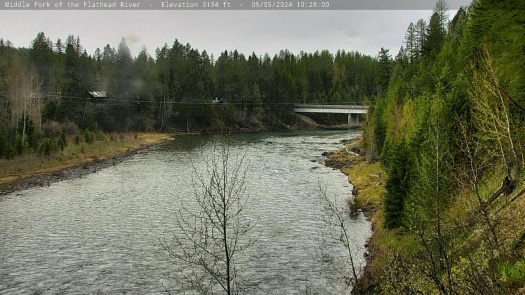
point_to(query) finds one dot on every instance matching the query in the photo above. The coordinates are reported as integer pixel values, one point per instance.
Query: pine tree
(420, 37)
(397, 186)
(257, 102)
(411, 43)
(384, 69)
(41, 56)
(4, 143)
(435, 34)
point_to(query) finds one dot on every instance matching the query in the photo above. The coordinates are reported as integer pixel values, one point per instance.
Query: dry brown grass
(32, 165)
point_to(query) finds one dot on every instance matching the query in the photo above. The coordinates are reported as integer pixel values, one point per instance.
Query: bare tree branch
(214, 232)
(349, 271)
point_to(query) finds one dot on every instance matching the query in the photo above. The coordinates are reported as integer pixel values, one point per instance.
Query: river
(100, 234)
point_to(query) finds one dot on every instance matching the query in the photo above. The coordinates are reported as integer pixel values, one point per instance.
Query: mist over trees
(57, 83)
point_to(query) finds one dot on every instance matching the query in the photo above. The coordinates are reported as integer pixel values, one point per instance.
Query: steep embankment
(485, 239)
(448, 126)
(366, 178)
(368, 181)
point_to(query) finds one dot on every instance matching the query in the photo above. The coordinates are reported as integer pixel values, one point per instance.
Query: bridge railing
(327, 106)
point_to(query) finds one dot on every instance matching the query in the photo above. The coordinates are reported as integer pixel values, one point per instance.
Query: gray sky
(215, 31)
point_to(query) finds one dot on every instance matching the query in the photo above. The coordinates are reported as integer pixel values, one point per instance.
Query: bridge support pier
(353, 120)
(353, 111)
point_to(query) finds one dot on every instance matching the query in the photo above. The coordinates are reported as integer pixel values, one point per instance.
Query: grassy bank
(368, 179)
(75, 155)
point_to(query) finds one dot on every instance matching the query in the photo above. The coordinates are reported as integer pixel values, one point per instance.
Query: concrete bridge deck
(334, 109)
(353, 111)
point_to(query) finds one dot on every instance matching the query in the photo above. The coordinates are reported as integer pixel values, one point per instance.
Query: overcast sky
(215, 31)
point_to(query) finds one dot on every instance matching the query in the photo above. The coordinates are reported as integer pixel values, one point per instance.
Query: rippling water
(100, 234)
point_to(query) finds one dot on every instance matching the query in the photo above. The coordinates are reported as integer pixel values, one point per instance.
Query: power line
(135, 100)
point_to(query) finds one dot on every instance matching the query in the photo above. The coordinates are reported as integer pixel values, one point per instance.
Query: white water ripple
(99, 234)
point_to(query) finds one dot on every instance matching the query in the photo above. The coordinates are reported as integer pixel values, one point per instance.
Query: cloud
(216, 31)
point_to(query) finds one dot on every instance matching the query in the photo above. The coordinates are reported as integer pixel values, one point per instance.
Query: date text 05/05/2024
(291, 4)
(254, 4)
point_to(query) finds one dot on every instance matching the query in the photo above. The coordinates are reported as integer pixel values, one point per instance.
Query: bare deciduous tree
(369, 134)
(477, 160)
(492, 114)
(335, 218)
(213, 232)
(24, 90)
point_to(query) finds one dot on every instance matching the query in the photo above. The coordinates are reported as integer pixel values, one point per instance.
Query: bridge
(353, 111)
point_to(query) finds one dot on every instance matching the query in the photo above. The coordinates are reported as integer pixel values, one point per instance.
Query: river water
(100, 234)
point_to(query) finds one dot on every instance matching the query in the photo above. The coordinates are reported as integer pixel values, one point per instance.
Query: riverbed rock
(346, 141)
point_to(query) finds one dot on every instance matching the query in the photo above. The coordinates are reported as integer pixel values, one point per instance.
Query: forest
(446, 121)
(449, 129)
(55, 90)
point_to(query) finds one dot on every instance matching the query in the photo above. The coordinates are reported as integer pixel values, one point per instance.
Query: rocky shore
(33, 171)
(368, 180)
(65, 174)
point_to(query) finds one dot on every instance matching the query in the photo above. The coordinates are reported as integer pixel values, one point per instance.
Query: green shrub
(19, 145)
(48, 146)
(89, 136)
(98, 133)
(4, 143)
(512, 275)
(62, 143)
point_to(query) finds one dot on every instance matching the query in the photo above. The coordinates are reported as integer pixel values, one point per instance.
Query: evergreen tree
(59, 46)
(74, 93)
(144, 93)
(435, 35)
(397, 186)
(420, 37)
(4, 143)
(384, 69)
(411, 43)
(256, 102)
(41, 56)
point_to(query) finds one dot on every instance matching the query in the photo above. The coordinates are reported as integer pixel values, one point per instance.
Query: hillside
(448, 128)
